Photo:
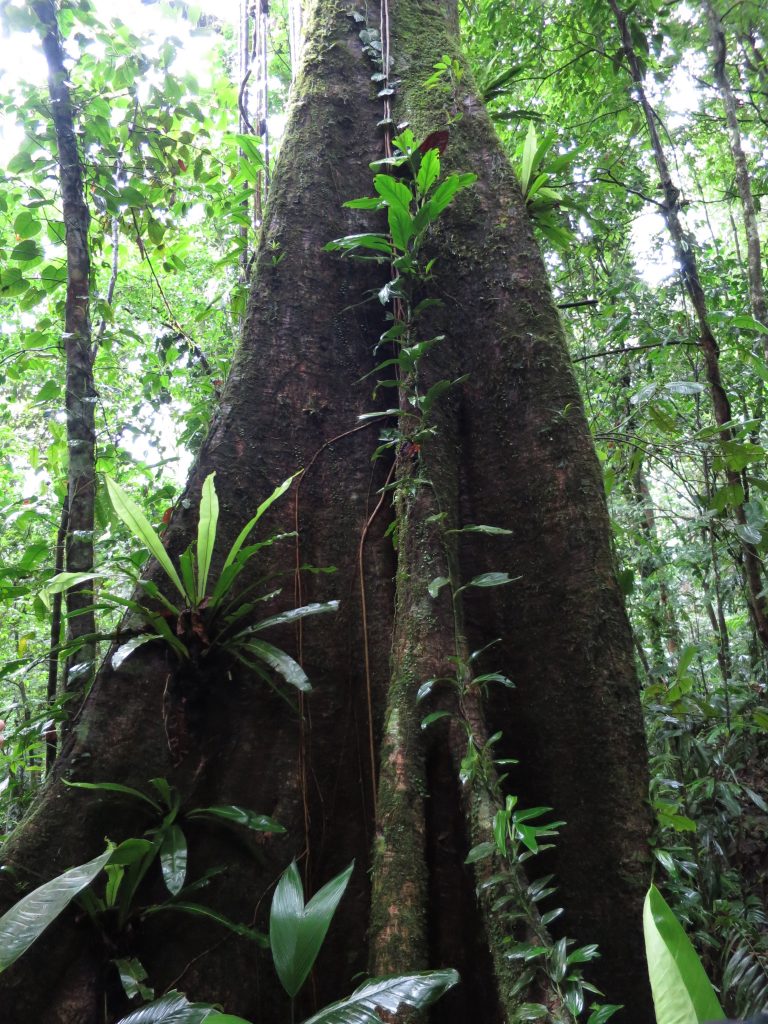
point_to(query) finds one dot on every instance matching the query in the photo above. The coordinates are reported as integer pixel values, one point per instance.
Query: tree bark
(512, 450)
(80, 393)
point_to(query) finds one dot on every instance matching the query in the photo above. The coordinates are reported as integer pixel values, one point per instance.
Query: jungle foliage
(171, 173)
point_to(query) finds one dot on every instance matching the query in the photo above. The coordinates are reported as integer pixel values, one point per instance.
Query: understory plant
(210, 614)
(114, 906)
(297, 929)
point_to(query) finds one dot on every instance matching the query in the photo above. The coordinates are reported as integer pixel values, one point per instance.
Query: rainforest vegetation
(382, 480)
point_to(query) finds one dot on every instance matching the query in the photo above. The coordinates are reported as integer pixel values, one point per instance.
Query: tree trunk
(754, 257)
(80, 393)
(512, 450)
(684, 247)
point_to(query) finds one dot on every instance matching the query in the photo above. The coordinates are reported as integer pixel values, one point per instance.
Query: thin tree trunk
(80, 393)
(754, 256)
(684, 247)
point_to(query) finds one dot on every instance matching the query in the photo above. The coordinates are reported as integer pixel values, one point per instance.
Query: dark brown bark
(51, 739)
(684, 248)
(519, 453)
(80, 393)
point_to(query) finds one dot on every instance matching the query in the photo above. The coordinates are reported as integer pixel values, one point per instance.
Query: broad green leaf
(126, 649)
(365, 203)
(749, 323)
(130, 513)
(417, 991)
(64, 580)
(682, 993)
(225, 1018)
(27, 920)
(243, 535)
(368, 240)
(173, 859)
(206, 534)
(491, 530)
(446, 190)
(489, 579)
(173, 1008)
(480, 852)
(132, 977)
(296, 931)
(319, 608)
(240, 816)
(437, 585)
(280, 662)
(130, 851)
(434, 716)
(26, 251)
(429, 170)
(187, 573)
(529, 154)
(116, 787)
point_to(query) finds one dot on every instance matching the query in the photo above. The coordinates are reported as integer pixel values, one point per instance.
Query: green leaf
(137, 523)
(429, 170)
(132, 977)
(531, 1011)
(173, 859)
(206, 534)
(240, 816)
(130, 851)
(243, 535)
(529, 154)
(64, 580)
(480, 852)
(489, 579)
(434, 716)
(437, 585)
(682, 993)
(125, 650)
(225, 1018)
(367, 240)
(319, 608)
(491, 530)
(28, 919)
(296, 931)
(282, 663)
(389, 994)
(26, 251)
(749, 323)
(116, 787)
(173, 1008)
(200, 910)
(26, 225)
(364, 203)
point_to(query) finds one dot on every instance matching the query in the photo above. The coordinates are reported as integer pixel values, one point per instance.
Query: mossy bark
(517, 446)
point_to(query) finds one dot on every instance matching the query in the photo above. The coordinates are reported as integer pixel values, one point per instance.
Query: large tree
(508, 447)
